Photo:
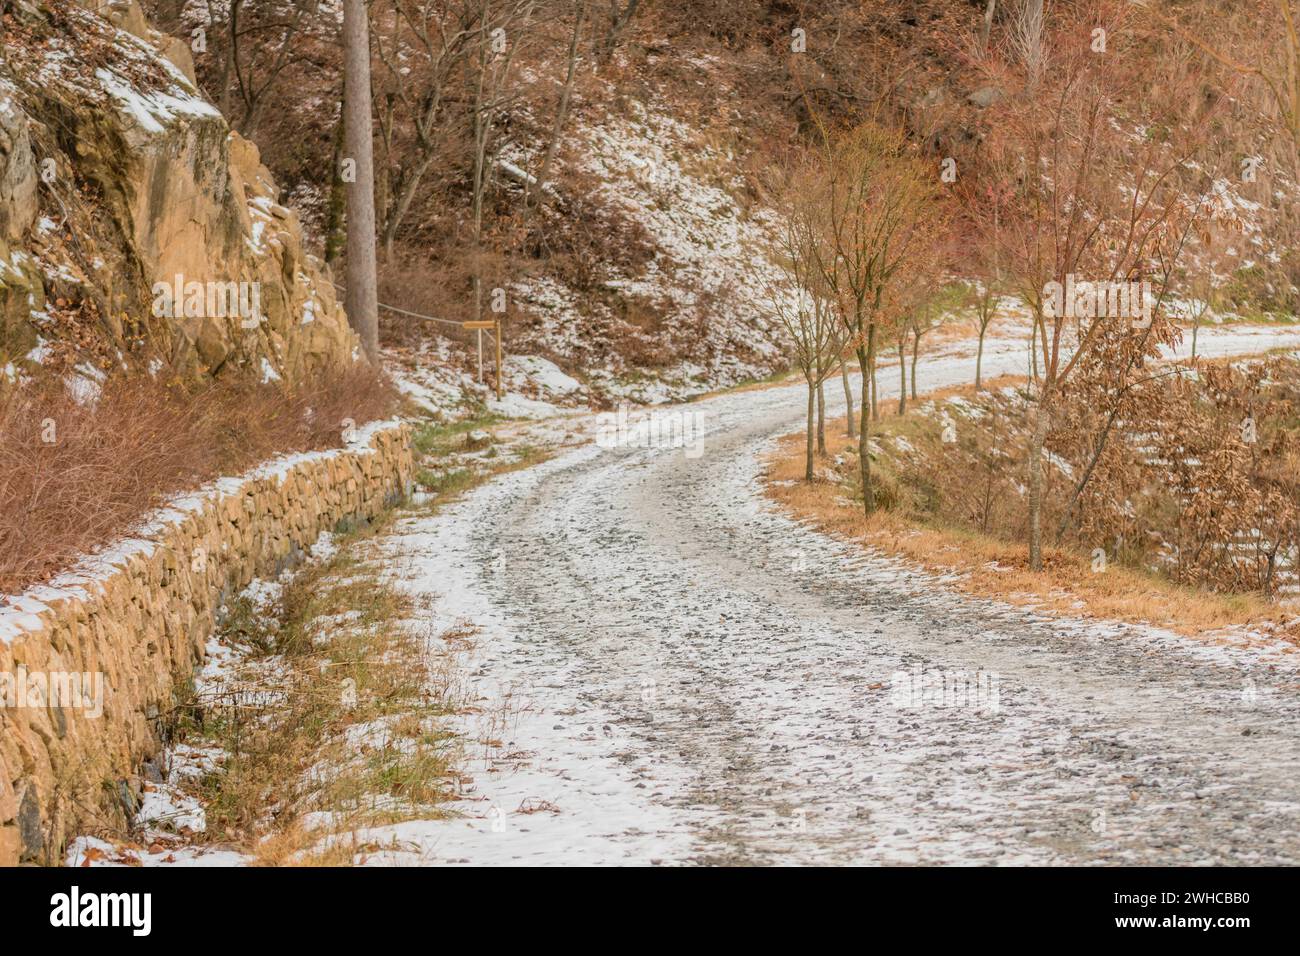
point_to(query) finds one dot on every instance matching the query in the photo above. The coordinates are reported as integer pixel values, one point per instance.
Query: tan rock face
(17, 169)
(176, 201)
(141, 620)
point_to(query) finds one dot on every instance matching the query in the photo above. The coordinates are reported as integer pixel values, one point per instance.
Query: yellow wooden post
(500, 367)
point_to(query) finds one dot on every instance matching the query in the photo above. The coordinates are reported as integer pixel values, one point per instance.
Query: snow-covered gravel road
(696, 679)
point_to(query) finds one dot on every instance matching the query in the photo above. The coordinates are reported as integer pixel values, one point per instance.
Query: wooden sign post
(500, 368)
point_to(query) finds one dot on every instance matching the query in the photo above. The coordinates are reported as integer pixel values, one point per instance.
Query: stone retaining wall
(140, 614)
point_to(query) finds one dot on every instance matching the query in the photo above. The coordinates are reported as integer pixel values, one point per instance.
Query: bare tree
(254, 93)
(1090, 205)
(496, 53)
(255, 43)
(537, 185)
(815, 332)
(983, 200)
(438, 37)
(901, 308)
(901, 333)
(620, 15)
(447, 77)
(878, 205)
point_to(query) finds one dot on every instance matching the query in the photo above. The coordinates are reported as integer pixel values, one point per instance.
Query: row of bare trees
(1088, 169)
(861, 223)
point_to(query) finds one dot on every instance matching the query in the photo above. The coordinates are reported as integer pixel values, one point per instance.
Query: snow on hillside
(437, 380)
(710, 274)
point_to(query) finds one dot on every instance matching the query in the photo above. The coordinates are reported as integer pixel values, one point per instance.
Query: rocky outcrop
(17, 170)
(116, 176)
(90, 664)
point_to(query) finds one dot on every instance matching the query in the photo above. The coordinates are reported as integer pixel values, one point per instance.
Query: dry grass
(75, 476)
(988, 566)
(447, 472)
(311, 682)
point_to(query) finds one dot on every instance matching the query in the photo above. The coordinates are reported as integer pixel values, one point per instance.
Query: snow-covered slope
(696, 314)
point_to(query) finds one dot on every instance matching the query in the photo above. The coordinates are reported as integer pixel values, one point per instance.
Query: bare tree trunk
(821, 417)
(225, 102)
(335, 233)
(869, 390)
(864, 433)
(481, 132)
(408, 186)
(618, 20)
(383, 174)
(254, 96)
(1033, 348)
(1042, 423)
(986, 25)
(916, 349)
(875, 390)
(808, 461)
(538, 183)
(848, 397)
(979, 358)
(362, 300)
(902, 378)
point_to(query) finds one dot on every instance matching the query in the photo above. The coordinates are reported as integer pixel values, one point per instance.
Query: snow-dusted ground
(711, 276)
(693, 677)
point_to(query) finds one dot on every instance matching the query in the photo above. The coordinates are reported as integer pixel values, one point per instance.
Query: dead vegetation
(331, 720)
(76, 473)
(1165, 534)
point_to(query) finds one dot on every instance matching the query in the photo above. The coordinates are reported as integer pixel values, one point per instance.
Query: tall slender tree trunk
(848, 397)
(1033, 347)
(979, 359)
(864, 433)
(335, 230)
(538, 183)
(808, 460)
(1042, 423)
(875, 392)
(902, 379)
(362, 301)
(481, 133)
(916, 351)
(821, 417)
(871, 361)
(986, 24)
(383, 175)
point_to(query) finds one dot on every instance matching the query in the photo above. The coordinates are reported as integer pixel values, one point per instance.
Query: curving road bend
(694, 678)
